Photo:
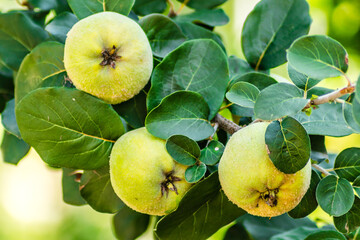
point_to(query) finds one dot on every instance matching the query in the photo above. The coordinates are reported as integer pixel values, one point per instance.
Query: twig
(25, 4)
(322, 170)
(348, 79)
(226, 125)
(216, 126)
(182, 6)
(330, 96)
(172, 12)
(226, 106)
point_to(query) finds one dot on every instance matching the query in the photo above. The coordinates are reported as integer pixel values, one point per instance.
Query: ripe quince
(250, 179)
(109, 56)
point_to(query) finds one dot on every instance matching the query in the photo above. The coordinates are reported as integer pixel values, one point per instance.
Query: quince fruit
(144, 175)
(250, 179)
(109, 56)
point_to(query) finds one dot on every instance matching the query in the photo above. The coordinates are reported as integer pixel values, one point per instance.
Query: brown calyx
(270, 197)
(110, 57)
(168, 183)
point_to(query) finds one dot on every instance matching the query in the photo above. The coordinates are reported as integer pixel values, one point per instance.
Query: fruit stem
(322, 170)
(226, 124)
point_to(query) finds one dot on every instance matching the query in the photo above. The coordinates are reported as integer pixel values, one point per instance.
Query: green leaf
(85, 8)
(8, 119)
(194, 173)
(129, 225)
(295, 234)
(43, 4)
(350, 221)
(42, 67)
(308, 203)
(238, 66)
(68, 128)
(318, 57)
(61, 25)
(289, 145)
(210, 17)
(183, 149)
(349, 116)
(326, 120)
(263, 228)
(193, 31)
(201, 212)
(326, 235)
(62, 6)
(356, 185)
(13, 149)
(97, 191)
(197, 65)
(211, 154)
(201, 4)
(243, 94)
(71, 187)
(178, 115)
(163, 34)
(145, 7)
(134, 110)
(347, 164)
(259, 80)
(269, 30)
(301, 80)
(18, 38)
(335, 195)
(237, 231)
(318, 149)
(279, 100)
(356, 110)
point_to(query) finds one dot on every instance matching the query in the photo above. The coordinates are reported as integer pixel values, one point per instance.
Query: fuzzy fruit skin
(245, 170)
(138, 164)
(83, 54)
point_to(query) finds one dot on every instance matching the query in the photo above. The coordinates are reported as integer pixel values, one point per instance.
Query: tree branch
(322, 170)
(225, 124)
(330, 96)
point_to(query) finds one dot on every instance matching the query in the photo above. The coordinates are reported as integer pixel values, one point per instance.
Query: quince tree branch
(226, 124)
(330, 96)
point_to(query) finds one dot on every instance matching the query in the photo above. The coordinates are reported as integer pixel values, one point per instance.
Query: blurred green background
(31, 205)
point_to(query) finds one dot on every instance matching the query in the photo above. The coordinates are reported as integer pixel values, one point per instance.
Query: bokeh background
(31, 205)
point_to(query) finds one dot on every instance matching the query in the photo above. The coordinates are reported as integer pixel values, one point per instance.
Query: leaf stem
(226, 124)
(182, 6)
(226, 106)
(348, 79)
(322, 170)
(172, 12)
(330, 96)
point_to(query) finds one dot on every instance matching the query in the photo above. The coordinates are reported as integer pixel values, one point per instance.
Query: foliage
(192, 78)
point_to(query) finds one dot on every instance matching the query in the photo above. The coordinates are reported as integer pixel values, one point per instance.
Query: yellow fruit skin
(83, 54)
(138, 164)
(245, 171)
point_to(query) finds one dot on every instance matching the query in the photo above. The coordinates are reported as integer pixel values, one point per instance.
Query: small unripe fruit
(144, 175)
(109, 56)
(250, 179)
